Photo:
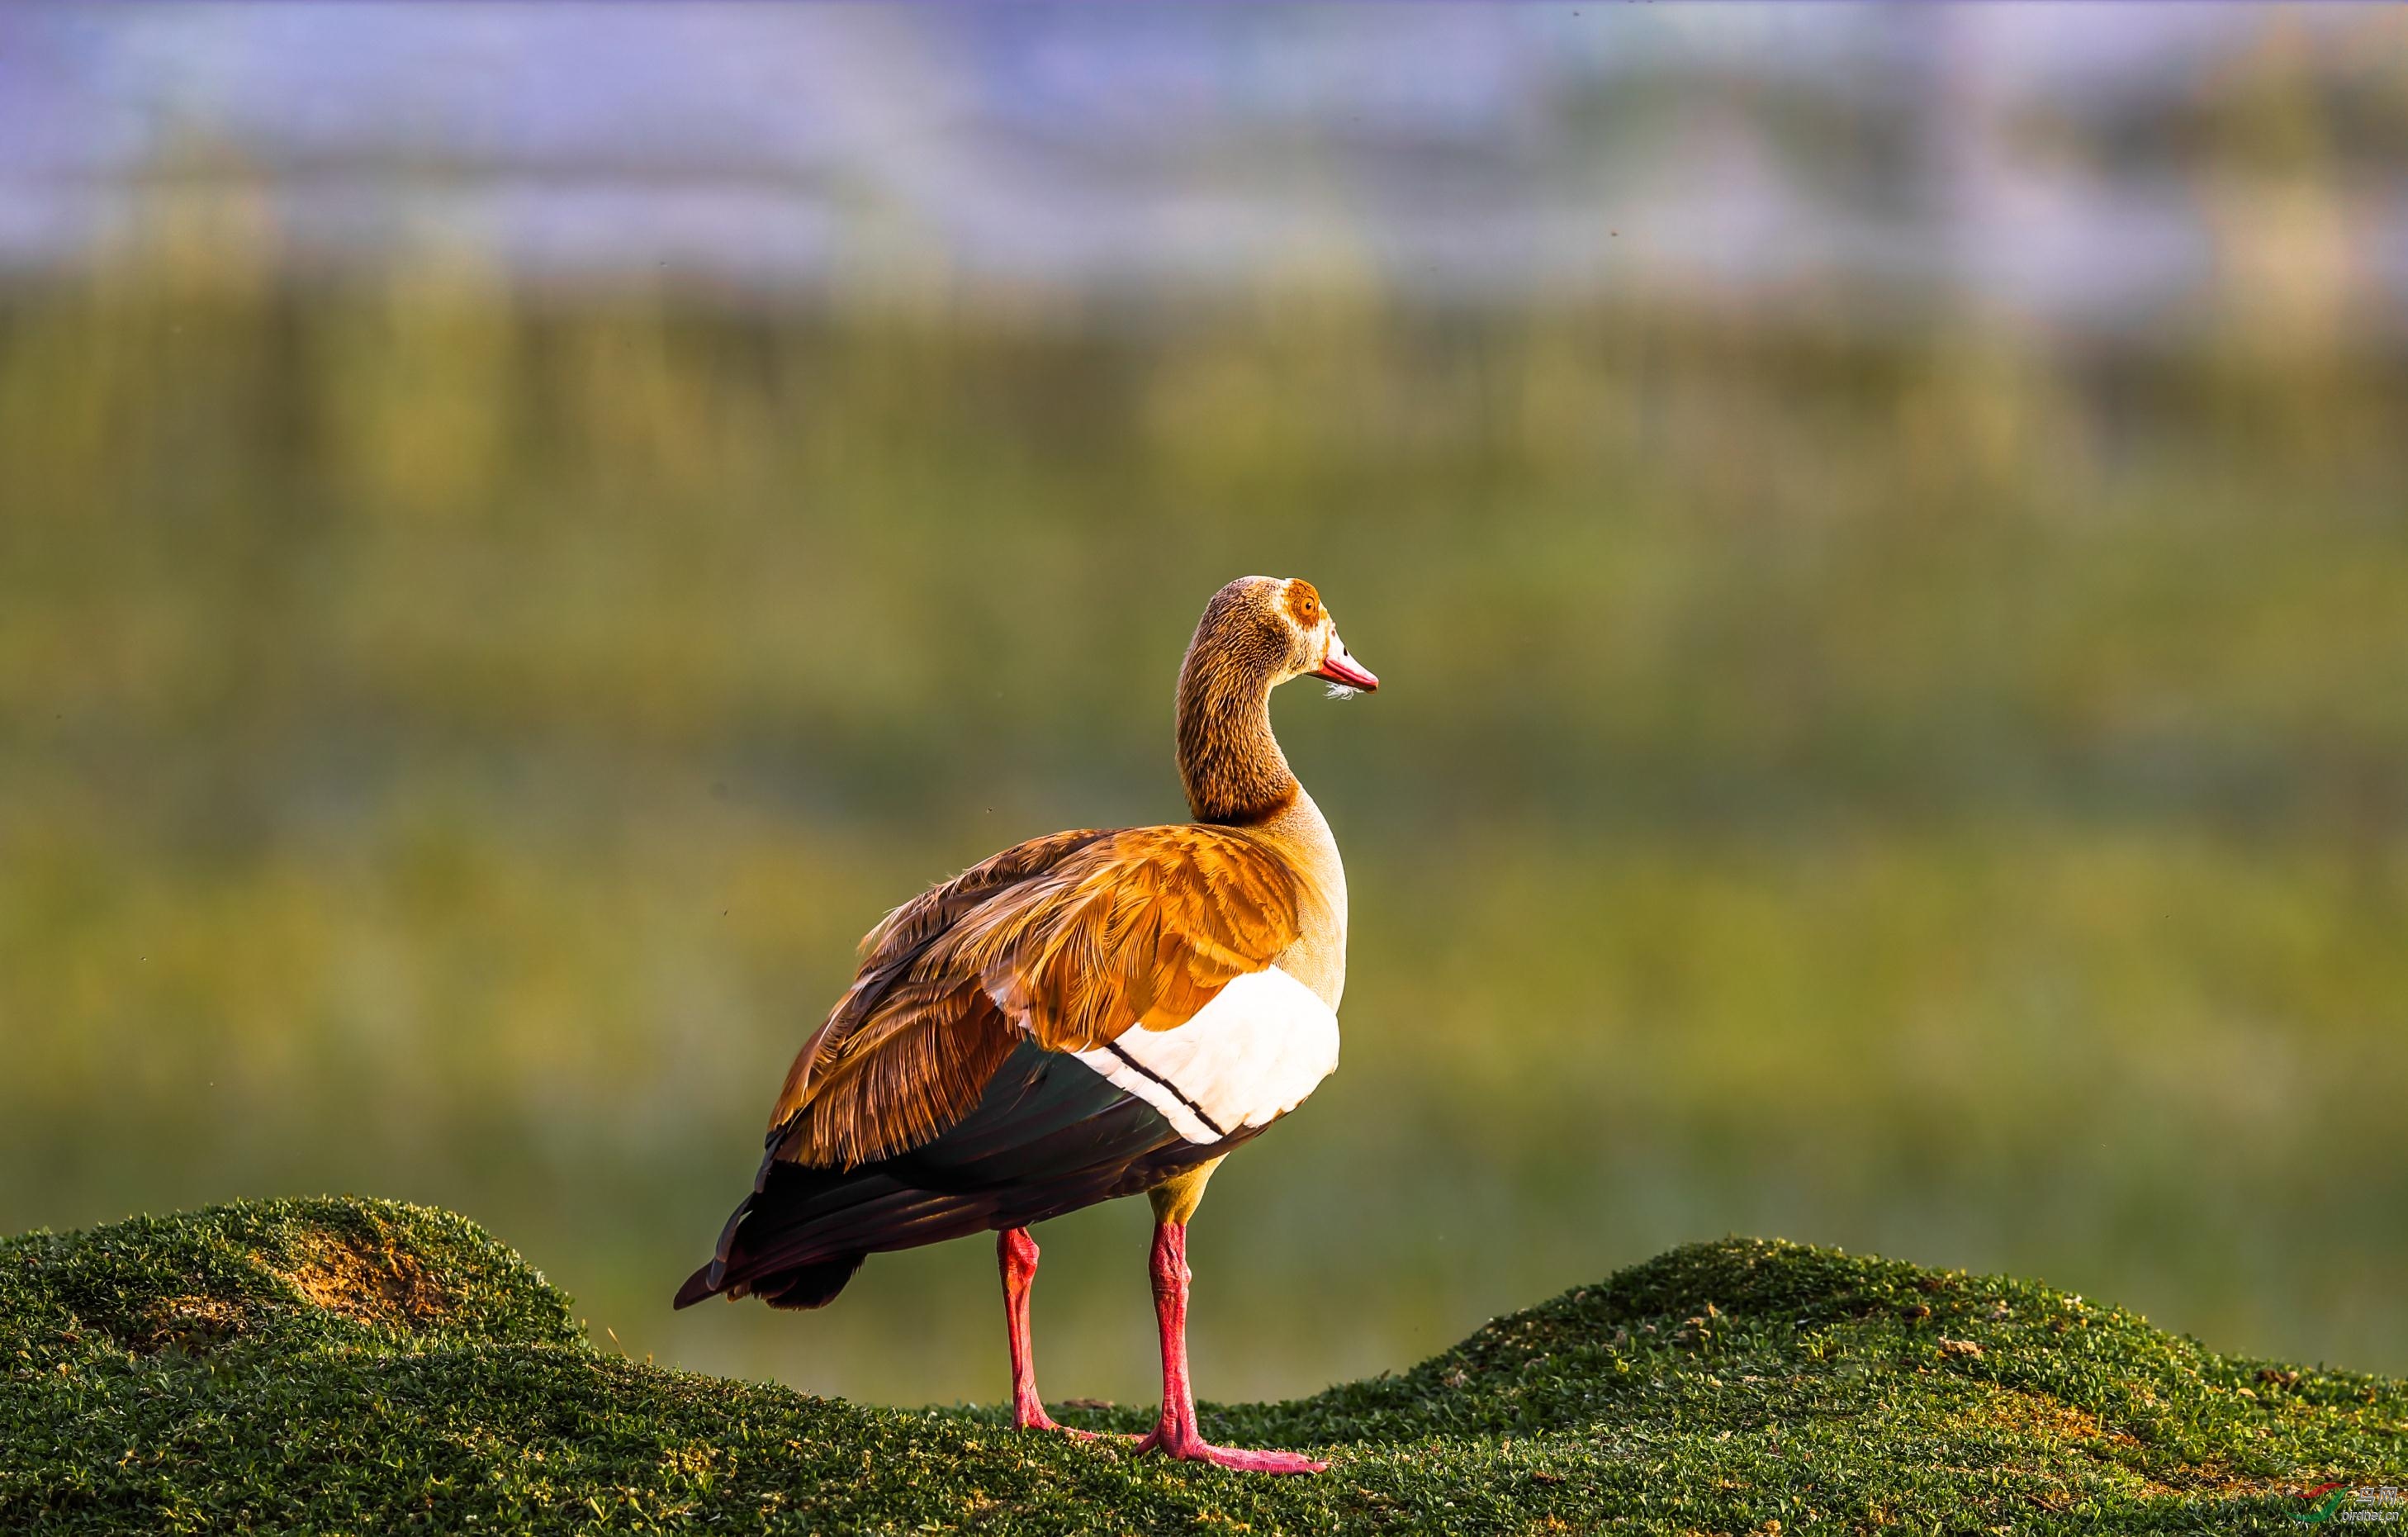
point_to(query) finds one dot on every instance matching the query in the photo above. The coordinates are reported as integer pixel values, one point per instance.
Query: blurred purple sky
(2090, 166)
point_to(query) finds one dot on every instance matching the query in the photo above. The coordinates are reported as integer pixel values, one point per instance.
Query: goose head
(1271, 629)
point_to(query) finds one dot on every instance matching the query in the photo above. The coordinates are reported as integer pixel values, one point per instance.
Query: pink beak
(1339, 668)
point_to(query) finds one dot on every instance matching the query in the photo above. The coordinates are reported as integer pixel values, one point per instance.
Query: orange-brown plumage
(1068, 939)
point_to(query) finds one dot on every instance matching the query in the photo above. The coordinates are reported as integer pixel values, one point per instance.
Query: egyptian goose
(1084, 1016)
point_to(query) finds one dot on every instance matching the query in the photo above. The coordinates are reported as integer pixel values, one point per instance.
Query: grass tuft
(344, 1365)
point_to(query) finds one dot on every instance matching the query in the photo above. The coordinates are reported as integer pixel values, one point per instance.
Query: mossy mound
(367, 1367)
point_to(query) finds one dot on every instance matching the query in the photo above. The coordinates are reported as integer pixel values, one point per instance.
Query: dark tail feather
(812, 1286)
(697, 1286)
(714, 1278)
(798, 1237)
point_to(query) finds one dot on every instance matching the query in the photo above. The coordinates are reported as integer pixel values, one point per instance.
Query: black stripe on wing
(1138, 1068)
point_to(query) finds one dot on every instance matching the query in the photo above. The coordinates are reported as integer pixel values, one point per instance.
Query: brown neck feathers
(1229, 763)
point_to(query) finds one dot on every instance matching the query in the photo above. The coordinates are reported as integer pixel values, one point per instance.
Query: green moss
(368, 1367)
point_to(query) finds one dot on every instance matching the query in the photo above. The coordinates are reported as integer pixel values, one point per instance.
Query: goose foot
(1191, 1447)
(1037, 1419)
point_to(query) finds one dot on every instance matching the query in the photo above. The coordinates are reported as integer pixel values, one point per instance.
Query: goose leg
(1015, 1254)
(1176, 1435)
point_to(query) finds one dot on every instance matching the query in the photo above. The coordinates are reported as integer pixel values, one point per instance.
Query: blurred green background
(1934, 783)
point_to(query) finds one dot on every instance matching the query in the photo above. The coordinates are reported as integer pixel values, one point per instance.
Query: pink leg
(1015, 1253)
(1176, 1435)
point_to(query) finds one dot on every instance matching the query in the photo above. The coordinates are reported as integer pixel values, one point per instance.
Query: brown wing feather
(1071, 938)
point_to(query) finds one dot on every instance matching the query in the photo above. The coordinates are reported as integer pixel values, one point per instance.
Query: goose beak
(1343, 670)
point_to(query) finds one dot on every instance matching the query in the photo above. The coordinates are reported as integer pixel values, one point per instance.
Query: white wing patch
(1244, 1060)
